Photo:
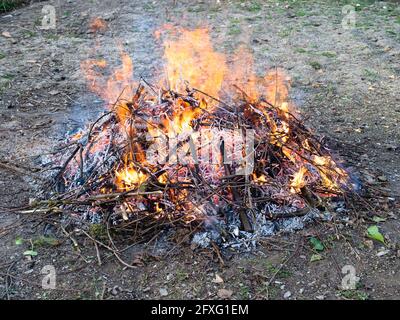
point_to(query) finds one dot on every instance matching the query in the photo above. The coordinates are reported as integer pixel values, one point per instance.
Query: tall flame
(117, 88)
(242, 75)
(190, 57)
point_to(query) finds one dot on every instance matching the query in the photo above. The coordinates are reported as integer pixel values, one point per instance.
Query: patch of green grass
(285, 33)
(38, 21)
(397, 19)
(283, 273)
(71, 35)
(353, 294)
(370, 74)
(364, 24)
(255, 18)
(149, 7)
(3, 85)
(301, 12)
(234, 27)
(8, 5)
(98, 231)
(181, 275)
(8, 76)
(97, 287)
(251, 6)
(52, 36)
(358, 5)
(271, 290)
(215, 9)
(244, 292)
(5, 82)
(254, 6)
(234, 30)
(328, 54)
(196, 9)
(45, 241)
(315, 64)
(29, 34)
(2, 55)
(392, 32)
(300, 50)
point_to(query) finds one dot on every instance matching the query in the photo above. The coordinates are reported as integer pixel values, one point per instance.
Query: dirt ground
(345, 82)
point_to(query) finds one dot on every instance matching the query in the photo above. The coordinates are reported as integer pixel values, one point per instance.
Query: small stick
(16, 169)
(217, 251)
(111, 249)
(97, 253)
(61, 172)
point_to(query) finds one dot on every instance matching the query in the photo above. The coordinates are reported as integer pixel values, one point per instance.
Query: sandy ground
(345, 82)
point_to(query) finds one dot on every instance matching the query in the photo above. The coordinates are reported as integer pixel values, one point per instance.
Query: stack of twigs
(103, 170)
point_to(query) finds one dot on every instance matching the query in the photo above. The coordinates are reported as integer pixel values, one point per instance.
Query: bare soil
(345, 82)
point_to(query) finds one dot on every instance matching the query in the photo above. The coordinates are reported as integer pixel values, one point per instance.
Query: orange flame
(191, 58)
(242, 74)
(298, 180)
(332, 176)
(118, 87)
(182, 118)
(277, 88)
(129, 178)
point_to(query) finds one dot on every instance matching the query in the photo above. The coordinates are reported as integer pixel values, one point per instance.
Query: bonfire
(207, 144)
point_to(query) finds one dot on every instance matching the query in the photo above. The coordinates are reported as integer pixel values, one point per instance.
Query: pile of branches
(103, 172)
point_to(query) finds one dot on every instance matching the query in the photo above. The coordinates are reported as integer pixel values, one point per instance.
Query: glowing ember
(129, 178)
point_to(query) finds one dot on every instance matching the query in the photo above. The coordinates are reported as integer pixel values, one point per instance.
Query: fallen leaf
(218, 279)
(30, 253)
(6, 34)
(382, 253)
(54, 92)
(224, 293)
(317, 244)
(378, 219)
(373, 233)
(19, 241)
(316, 257)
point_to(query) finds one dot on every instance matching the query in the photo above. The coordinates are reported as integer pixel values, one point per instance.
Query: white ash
(235, 238)
(202, 239)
